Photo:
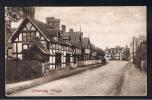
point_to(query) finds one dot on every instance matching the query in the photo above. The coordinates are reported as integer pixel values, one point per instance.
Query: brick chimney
(71, 30)
(63, 28)
(54, 23)
(28, 12)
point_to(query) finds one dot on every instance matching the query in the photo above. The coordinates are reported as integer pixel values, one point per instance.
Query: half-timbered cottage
(75, 38)
(57, 50)
(86, 46)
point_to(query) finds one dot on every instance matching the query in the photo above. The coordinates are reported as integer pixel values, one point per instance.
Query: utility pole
(133, 49)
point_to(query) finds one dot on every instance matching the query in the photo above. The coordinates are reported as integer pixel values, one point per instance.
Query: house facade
(114, 53)
(76, 42)
(58, 51)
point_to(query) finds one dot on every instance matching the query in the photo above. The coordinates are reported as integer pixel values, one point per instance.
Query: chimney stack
(54, 23)
(71, 30)
(63, 28)
(28, 12)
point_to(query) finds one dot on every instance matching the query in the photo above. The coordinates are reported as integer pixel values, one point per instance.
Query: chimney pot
(63, 28)
(71, 30)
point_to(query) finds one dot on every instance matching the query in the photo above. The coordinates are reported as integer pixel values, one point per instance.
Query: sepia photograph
(75, 51)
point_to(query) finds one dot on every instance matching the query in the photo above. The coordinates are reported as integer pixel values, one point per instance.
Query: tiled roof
(75, 36)
(7, 37)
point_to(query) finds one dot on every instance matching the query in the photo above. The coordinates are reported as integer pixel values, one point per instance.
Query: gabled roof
(43, 28)
(7, 37)
(85, 42)
(75, 38)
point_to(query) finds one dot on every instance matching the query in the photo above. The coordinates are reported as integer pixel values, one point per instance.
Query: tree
(141, 53)
(100, 53)
(126, 53)
(14, 13)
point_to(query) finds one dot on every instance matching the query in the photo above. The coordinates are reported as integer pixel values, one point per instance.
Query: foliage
(141, 53)
(100, 52)
(17, 70)
(126, 54)
(14, 13)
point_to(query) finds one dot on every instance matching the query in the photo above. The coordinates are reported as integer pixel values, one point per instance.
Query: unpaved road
(107, 80)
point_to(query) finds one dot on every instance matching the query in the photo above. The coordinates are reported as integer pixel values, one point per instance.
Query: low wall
(88, 62)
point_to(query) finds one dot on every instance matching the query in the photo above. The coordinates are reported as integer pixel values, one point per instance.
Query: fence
(73, 65)
(88, 62)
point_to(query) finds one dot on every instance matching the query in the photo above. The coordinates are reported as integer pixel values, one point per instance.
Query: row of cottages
(60, 49)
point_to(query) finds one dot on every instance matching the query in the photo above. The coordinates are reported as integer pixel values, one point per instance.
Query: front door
(58, 61)
(68, 60)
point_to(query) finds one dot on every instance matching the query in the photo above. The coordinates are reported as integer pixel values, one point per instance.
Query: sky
(106, 26)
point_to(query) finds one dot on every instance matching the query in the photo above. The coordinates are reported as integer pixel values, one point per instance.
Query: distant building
(114, 53)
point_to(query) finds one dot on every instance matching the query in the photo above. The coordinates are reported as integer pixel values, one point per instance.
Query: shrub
(17, 70)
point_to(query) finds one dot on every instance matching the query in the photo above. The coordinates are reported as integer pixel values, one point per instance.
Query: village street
(107, 80)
